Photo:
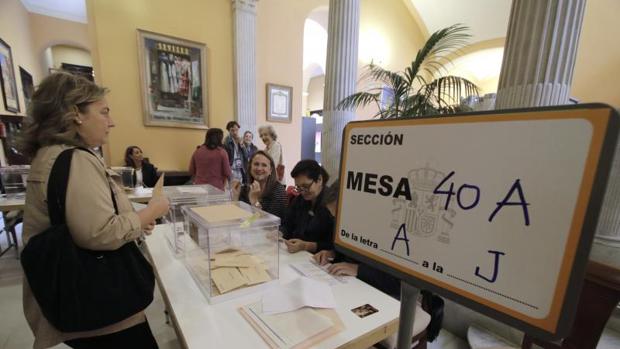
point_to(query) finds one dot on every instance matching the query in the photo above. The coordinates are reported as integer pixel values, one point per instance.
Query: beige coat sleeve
(89, 209)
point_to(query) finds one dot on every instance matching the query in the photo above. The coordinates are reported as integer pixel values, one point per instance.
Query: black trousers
(136, 337)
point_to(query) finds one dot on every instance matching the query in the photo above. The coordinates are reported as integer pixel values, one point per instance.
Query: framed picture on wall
(173, 79)
(27, 86)
(279, 103)
(7, 79)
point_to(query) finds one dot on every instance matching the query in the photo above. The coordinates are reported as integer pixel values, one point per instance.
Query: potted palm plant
(421, 89)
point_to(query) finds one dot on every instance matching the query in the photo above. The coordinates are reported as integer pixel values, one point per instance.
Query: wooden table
(202, 325)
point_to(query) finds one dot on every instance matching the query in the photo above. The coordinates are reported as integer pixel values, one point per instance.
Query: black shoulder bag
(79, 289)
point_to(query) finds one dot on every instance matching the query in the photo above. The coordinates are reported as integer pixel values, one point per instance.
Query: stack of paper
(301, 292)
(314, 271)
(221, 213)
(233, 269)
(296, 329)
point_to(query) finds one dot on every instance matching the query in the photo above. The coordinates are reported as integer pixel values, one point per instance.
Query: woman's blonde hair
(53, 110)
(270, 129)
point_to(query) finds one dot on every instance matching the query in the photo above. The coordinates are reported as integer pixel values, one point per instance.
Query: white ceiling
(487, 19)
(72, 10)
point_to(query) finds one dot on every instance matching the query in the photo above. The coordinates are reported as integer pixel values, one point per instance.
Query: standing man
(236, 155)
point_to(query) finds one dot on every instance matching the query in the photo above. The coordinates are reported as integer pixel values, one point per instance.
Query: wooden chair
(599, 296)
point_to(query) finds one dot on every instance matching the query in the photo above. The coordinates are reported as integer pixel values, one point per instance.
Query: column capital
(245, 5)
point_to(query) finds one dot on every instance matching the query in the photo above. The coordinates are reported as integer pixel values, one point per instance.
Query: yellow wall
(49, 31)
(387, 26)
(72, 55)
(15, 31)
(391, 22)
(316, 89)
(280, 27)
(279, 60)
(597, 68)
(113, 24)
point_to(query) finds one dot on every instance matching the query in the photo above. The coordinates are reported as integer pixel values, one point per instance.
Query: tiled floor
(14, 331)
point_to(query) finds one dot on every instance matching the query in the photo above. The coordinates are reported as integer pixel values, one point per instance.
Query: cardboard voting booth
(494, 210)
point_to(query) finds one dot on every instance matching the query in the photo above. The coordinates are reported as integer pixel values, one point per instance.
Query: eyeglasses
(303, 188)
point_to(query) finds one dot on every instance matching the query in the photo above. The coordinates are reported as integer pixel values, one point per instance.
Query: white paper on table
(143, 191)
(312, 270)
(301, 292)
(289, 329)
(192, 190)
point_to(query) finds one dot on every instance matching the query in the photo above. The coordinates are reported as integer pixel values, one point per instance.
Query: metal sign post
(408, 299)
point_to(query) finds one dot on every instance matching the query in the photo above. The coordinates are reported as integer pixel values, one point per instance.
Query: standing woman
(209, 163)
(272, 147)
(145, 174)
(248, 147)
(67, 112)
(263, 190)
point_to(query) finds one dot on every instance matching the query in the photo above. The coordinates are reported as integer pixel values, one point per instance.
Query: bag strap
(57, 186)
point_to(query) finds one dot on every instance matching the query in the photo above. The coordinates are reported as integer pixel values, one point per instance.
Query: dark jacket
(149, 174)
(230, 145)
(384, 282)
(308, 223)
(249, 150)
(379, 280)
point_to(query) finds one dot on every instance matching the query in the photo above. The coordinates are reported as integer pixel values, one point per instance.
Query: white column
(244, 25)
(537, 70)
(608, 227)
(340, 78)
(540, 52)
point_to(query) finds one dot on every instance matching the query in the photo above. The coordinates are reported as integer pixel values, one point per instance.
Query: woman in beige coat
(69, 111)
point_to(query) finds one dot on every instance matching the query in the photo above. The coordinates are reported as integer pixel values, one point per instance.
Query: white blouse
(275, 151)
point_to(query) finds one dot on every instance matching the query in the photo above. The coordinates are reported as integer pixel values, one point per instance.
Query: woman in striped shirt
(263, 191)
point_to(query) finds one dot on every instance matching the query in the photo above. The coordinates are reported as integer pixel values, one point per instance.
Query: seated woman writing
(345, 266)
(308, 225)
(342, 265)
(263, 190)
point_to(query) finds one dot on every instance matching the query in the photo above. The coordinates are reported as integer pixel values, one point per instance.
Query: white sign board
(495, 210)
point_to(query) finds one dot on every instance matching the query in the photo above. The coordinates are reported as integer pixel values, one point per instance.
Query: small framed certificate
(279, 103)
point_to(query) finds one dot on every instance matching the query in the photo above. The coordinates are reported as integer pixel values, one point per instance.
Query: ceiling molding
(417, 19)
(486, 19)
(477, 46)
(483, 45)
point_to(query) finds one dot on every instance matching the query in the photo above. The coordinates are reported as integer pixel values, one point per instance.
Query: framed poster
(279, 103)
(173, 81)
(27, 86)
(7, 79)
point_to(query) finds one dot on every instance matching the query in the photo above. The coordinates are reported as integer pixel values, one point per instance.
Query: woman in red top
(209, 164)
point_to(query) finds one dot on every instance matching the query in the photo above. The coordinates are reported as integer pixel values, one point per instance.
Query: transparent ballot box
(180, 196)
(126, 174)
(14, 180)
(231, 249)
